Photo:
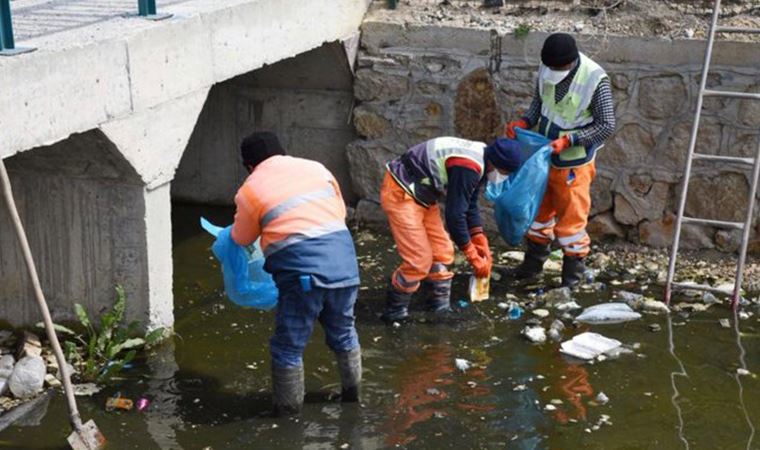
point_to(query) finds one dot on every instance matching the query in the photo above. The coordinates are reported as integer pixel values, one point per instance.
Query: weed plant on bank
(100, 352)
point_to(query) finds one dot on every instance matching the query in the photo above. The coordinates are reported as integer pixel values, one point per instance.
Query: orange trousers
(564, 211)
(421, 239)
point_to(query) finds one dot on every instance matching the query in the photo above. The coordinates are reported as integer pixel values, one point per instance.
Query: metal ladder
(754, 163)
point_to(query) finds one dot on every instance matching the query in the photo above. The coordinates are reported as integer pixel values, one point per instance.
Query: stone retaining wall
(414, 83)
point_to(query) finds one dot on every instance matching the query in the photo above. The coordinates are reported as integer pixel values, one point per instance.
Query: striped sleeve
(603, 111)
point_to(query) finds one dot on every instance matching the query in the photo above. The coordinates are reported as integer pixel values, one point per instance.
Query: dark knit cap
(505, 154)
(559, 50)
(259, 146)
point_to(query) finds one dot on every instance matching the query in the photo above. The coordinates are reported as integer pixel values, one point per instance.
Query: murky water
(210, 386)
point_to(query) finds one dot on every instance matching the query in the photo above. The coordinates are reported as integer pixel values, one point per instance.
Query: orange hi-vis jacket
(295, 206)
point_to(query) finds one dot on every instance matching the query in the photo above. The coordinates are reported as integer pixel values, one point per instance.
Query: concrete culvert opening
(82, 205)
(306, 100)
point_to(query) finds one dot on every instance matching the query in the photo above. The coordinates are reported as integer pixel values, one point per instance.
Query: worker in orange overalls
(411, 189)
(573, 106)
(295, 206)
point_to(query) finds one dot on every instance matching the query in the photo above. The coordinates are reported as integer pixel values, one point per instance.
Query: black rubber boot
(533, 264)
(573, 271)
(396, 305)
(287, 390)
(438, 295)
(350, 367)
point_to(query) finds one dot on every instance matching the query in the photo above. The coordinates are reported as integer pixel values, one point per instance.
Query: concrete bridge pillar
(98, 213)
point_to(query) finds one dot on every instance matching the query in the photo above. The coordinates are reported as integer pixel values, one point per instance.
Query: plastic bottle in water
(515, 311)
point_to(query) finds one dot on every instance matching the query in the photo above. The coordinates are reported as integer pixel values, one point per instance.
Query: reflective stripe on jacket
(295, 206)
(421, 171)
(291, 199)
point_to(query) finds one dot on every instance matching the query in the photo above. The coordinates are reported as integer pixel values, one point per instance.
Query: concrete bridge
(96, 121)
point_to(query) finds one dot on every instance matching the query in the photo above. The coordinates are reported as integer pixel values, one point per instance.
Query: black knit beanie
(259, 146)
(559, 50)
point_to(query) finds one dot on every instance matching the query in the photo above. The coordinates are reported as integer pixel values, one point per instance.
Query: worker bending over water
(295, 206)
(414, 182)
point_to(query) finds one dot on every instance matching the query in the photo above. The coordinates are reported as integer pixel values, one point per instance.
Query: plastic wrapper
(245, 281)
(479, 288)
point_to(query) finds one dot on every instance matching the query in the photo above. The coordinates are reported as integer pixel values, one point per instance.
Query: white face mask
(555, 76)
(495, 177)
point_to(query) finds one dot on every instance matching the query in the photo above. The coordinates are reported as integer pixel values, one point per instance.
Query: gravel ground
(664, 18)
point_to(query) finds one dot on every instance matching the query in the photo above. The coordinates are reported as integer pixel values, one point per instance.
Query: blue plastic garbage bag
(517, 199)
(245, 281)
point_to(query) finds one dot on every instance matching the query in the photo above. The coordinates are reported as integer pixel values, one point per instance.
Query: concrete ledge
(378, 36)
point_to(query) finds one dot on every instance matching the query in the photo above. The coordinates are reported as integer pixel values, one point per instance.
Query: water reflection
(524, 419)
(738, 377)
(163, 418)
(577, 389)
(674, 399)
(420, 382)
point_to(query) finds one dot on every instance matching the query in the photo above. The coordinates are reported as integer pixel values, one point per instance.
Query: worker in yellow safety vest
(572, 105)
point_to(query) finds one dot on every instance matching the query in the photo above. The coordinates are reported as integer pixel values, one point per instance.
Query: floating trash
(608, 313)
(462, 364)
(514, 312)
(118, 402)
(142, 404)
(535, 334)
(588, 345)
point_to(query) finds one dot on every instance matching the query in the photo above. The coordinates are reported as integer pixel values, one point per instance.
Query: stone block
(630, 147)
(476, 116)
(29, 345)
(601, 195)
(366, 160)
(662, 96)
(749, 110)
(604, 225)
(711, 104)
(28, 377)
(370, 124)
(659, 233)
(728, 240)
(436, 65)
(370, 213)
(620, 81)
(723, 196)
(709, 140)
(6, 369)
(373, 86)
(624, 211)
(642, 199)
(742, 144)
(430, 89)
